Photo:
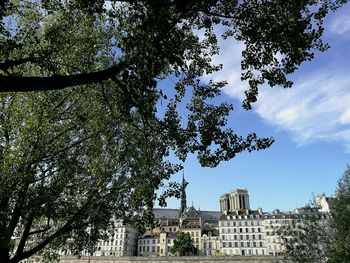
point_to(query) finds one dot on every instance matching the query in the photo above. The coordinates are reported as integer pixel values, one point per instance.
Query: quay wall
(219, 259)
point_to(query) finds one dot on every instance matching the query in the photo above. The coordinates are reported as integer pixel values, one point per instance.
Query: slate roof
(167, 213)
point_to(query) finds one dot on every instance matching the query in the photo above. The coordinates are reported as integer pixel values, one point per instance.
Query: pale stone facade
(253, 232)
(156, 245)
(122, 242)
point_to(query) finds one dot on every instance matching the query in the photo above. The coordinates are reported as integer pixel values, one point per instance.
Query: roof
(167, 213)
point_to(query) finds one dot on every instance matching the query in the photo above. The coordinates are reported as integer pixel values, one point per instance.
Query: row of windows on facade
(154, 241)
(244, 252)
(241, 237)
(112, 242)
(113, 249)
(240, 230)
(281, 216)
(242, 244)
(151, 249)
(240, 223)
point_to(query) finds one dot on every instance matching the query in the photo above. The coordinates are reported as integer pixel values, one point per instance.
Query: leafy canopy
(91, 141)
(183, 244)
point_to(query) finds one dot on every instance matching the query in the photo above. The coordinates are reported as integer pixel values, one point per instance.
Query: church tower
(183, 195)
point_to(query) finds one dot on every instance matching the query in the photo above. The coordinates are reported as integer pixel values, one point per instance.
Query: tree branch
(25, 233)
(11, 63)
(56, 82)
(65, 228)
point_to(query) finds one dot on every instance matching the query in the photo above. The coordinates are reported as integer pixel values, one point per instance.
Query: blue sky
(310, 124)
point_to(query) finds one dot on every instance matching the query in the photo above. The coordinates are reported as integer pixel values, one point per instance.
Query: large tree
(91, 141)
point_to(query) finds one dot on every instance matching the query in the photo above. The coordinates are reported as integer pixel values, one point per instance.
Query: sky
(310, 124)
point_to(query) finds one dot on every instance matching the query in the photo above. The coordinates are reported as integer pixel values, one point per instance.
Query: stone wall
(221, 259)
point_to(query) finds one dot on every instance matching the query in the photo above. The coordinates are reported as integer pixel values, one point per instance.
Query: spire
(183, 194)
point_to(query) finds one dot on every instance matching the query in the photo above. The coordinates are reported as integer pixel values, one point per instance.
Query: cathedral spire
(183, 194)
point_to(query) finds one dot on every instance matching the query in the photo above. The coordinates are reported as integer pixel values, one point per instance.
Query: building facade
(244, 231)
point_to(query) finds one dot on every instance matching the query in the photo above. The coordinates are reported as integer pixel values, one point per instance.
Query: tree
(313, 240)
(340, 221)
(152, 39)
(91, 141)
(183, 244)
(304, 240)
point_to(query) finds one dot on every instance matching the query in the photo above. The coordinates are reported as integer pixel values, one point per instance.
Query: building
(156, 244)
(122, 242)
(244, 231)
(158, 240)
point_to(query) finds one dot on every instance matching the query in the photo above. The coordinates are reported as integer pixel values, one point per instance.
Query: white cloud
(317, 108)
(340, 25)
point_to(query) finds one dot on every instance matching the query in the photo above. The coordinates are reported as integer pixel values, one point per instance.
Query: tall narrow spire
(183, 194)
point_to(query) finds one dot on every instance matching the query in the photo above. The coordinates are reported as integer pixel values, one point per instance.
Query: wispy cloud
(317, 108)
(340, 24)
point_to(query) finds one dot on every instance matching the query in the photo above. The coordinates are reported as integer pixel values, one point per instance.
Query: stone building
(244, 231)
(168, 222)
(156, 244)
(122, 242)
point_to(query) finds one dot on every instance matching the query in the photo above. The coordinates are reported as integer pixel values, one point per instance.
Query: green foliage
(304, 240)
(92, 140)
(183, 244)
(314, 240)
(340, 221)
